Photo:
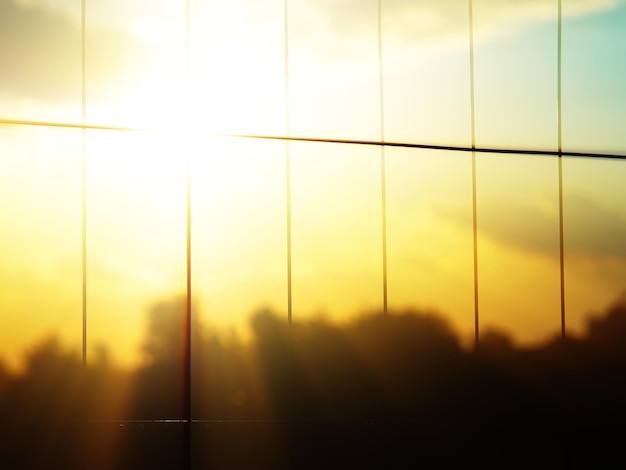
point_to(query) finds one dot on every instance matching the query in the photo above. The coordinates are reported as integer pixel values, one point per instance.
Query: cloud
(340, 26)
(40, 49)
(40, 53)
(592, 231)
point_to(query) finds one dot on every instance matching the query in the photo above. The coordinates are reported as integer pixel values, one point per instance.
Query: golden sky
(136, 181)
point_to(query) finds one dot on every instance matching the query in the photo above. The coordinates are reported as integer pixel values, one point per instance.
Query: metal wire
(454, 148)
(474, 204)
(383, 177)
(287, 161)
(560, 158)
(84, 178)
(187, 396)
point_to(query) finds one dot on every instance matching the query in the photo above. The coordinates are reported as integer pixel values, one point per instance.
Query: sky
(136, 75)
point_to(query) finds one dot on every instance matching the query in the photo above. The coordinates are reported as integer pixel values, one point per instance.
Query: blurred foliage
(404, 367)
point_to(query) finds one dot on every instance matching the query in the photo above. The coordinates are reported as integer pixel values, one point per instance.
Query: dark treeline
(379, 392)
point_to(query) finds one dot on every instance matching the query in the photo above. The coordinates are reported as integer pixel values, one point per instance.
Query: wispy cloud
(336, 26)
(40, 39)
(592, 230)
(40, 53)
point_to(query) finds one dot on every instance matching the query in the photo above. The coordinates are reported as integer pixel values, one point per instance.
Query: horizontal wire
(432, 146)
(43, 422)
(454, 148)
(69, 125)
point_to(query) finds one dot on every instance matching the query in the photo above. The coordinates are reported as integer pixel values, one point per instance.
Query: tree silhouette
(382, 390)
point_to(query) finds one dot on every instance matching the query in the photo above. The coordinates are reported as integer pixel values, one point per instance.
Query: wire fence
(288, 138)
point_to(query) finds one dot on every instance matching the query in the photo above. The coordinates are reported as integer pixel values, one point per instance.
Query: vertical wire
(383, 188)
(560, 159)
(287, 160)
(188, 312)
(383, 177)
(289, 274)
(84, 180)
(474, 207)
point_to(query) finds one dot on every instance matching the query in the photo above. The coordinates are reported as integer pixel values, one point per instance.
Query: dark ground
(312, 445)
